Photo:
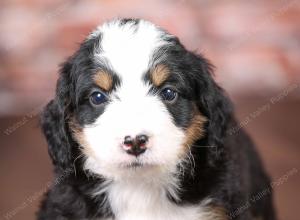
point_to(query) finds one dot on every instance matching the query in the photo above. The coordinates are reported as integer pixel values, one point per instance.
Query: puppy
(139, 130)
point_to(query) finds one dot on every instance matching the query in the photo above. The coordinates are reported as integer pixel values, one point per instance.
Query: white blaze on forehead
(128, 48)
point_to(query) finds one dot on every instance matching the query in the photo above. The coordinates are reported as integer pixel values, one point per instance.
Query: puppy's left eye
(97, 98)
(168, 94)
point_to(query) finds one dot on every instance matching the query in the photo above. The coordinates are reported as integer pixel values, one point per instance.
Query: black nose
(136, 146)
(141, 139)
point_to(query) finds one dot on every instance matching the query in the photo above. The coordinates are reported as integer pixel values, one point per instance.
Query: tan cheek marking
(216, 213)
(160, 74)
(195, 130)
(103, 80)
(78, 135)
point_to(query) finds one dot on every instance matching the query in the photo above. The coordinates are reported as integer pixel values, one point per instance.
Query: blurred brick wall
(255, 45)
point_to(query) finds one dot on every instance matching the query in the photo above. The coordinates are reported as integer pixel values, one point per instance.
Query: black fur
(227, 168)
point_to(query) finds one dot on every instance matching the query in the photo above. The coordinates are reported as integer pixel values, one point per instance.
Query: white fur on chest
(148, 201)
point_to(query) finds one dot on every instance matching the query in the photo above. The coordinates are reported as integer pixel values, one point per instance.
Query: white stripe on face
(128, 50)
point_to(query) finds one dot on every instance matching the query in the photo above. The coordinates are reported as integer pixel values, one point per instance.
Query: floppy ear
(54, 123)
(212, 101)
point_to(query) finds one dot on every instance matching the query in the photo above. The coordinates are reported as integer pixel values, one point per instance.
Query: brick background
(254, 45)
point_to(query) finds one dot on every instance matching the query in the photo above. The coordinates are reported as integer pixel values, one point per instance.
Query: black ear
(54, 123)
(213, 103)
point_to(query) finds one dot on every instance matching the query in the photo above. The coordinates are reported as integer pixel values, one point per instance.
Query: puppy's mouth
(137, 164)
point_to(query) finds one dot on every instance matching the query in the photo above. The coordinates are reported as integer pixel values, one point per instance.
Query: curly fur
(220, 175)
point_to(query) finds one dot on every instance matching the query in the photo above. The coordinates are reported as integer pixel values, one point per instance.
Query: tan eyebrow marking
(103, 80)
(159, 74)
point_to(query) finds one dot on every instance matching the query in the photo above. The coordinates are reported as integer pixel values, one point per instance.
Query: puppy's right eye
(98, 98)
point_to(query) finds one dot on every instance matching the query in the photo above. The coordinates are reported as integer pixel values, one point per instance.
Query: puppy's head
(133, 98)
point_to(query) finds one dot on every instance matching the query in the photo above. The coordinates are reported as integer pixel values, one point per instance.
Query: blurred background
(255, 46)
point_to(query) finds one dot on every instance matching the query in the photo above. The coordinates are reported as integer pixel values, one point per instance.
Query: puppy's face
(135, 100)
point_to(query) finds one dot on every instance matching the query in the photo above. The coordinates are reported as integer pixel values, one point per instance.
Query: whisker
(74, 167)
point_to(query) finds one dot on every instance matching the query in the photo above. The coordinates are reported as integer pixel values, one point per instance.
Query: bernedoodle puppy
(146, 132)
